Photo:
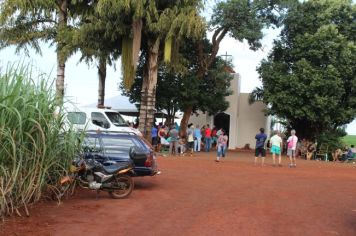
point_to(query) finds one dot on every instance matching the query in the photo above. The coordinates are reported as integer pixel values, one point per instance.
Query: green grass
(349, 139)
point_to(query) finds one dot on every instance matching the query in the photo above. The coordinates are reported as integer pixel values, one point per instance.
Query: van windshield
(116, 119)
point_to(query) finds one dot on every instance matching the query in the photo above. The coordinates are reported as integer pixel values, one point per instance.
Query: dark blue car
(109, 147)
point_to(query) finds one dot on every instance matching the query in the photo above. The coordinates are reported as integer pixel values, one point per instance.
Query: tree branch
(216, 33)
(216, 45)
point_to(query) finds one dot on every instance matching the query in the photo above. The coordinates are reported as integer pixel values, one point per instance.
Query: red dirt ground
(196, 196)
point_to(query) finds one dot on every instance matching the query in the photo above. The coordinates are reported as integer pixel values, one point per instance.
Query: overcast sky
(81, 80)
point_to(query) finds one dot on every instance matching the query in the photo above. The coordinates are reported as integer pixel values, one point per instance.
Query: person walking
(221, 145)
(291, 148)
(260, 150)
(207, 138)
(197, 139)
(276, 147)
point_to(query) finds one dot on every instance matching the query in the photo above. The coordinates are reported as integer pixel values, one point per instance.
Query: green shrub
(333, 139)
(34, 151)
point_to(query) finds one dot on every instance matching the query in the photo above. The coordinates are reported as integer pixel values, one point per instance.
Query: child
(221, 145)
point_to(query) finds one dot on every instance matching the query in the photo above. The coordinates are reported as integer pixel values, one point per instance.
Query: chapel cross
(226, 56)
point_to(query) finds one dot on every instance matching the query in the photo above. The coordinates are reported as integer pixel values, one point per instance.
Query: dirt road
(196, 196)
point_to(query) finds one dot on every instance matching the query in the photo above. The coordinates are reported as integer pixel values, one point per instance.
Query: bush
(34, 151)
(332, 138)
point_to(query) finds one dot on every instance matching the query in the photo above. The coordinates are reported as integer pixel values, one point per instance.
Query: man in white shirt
(276, 147)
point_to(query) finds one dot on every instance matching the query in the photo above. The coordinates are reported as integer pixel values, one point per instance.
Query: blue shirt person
(260, 146)
(154, 135)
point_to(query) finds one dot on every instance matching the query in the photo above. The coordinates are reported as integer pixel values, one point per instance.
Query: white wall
(250, 119)
(245, 119)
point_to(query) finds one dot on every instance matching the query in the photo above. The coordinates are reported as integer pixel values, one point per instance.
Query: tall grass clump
(34, 150)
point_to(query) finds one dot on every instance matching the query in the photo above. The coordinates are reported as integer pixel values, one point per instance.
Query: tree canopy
(242, 20)
(177, 90)
(309, 77)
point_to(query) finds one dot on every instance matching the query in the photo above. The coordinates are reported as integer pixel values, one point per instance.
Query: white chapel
(241, 120)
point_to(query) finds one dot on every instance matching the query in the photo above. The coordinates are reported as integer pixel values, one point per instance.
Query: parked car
(85, 118)
(109, 147)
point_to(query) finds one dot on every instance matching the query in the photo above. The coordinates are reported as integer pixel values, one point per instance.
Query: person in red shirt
(207, 138)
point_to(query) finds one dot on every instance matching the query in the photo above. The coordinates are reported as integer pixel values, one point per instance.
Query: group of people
(304, 148)
(206, 138)
(195, 140)
(344, 154)
(276, 144)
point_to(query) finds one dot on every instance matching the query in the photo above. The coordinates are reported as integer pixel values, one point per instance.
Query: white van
(98, 119)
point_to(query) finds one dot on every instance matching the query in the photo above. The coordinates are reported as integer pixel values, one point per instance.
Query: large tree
(309, 77)
(98, 37)
(27, 23)
(158, 23)
(241, 20)
(178, 89)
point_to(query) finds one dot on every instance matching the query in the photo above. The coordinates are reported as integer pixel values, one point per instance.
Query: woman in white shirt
(291, 150)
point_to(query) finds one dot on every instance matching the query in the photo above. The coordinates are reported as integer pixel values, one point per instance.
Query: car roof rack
(108, 132)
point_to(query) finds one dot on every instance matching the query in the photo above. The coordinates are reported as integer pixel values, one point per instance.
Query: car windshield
(116, 119)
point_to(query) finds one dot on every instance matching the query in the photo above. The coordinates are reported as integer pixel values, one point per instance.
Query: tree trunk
(61, 59)
(184, 121)
(60, 79)
(102, 78)
(148, 92)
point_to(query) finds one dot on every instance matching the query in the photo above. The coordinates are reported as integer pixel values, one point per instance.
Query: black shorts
(190, 144)
(154, 141)
(260, 151)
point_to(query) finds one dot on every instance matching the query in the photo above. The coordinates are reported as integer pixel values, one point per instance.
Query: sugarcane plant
(34, 150)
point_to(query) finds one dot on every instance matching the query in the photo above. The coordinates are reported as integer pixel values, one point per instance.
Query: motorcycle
(88, 173)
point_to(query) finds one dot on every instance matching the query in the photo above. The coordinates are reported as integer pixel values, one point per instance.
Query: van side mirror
(132, 152)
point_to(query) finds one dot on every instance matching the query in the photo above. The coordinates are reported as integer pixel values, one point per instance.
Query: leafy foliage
(309, 78)
(242, 20)
(27, 23)
(35, 152)
(177, 91)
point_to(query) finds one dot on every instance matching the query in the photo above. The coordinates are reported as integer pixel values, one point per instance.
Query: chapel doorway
(222, 120)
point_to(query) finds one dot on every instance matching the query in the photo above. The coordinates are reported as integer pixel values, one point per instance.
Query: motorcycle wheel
(122, 187)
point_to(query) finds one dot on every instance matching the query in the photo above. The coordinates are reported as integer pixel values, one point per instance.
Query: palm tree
(26, 23)
(98, 37)
(156, 22)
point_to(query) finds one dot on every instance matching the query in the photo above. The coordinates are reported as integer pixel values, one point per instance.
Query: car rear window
(91, 144)
(118, 145)
(147, 144)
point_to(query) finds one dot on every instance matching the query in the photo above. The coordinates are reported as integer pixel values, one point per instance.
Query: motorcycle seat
(111, 169)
